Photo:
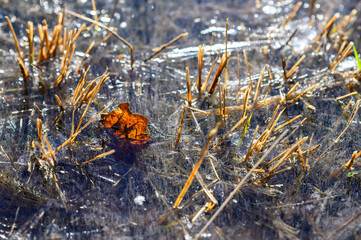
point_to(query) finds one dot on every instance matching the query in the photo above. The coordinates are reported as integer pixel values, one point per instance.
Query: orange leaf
(126, 125)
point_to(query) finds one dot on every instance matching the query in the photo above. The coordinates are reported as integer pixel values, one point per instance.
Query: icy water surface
(130, 195)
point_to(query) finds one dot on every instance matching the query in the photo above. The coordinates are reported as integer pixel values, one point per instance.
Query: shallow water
(103, 198)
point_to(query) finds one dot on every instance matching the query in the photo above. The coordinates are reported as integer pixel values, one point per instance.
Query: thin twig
(161, 48)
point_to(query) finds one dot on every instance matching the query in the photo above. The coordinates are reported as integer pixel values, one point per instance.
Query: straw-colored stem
(290, 92)
(96, 90)
(23, 69)
(196, 166)
(51, 151)
(30, 33)
(221, 66)
(161, 48)
(180, 127)
(258, 87)
(15, 38)
(38, 124)
(200, 67)
(295, 67)
(293, 13)
(85, 55)
(303, 93)
(189, 90)
(204, 86)
(332, 20)
(347, 95)
(97, 157)
(248, 69)
(344, 54)
(288, 122)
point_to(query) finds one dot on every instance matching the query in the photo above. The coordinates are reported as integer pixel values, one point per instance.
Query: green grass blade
(245, 130)
(357, 58)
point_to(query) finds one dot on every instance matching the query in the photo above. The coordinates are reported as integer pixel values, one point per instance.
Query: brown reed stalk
(97, 157)
(354, 111)
(308, 151)
(180, 127)
(329, 24)
(200, 67)
(293, 13)
(41, 36)
(347, 22)
(59, 102)
(346, 96)
(221, 66)
(30, 33)
(80, 85)
(85, 94)
(23, 69)
(258, 87)
(38, 124)
(161, 48)
(189, 90)
(245, 102)
(303, 93)
(287, 154)
(96, 90)
(349, 164)
(248, 69)
(74, 135)
(288, 122)
(15, 38)
(95, 11)
(295, 67)
(290, 92)
(85, 55)
(51, 151)
(204, 86)
(238, 72)
(46, 35)
(67, 56)
(81, 29)
(344, 54)
(196, 166)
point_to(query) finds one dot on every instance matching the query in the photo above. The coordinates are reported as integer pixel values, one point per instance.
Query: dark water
(125, 195)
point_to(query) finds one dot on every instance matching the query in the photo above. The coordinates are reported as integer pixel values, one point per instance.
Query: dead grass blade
(204, 86)
(240, 185)
(221, 66)
(161, 48)
(200, 67)
(15, 38)
(197, 165)
(97, 157)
